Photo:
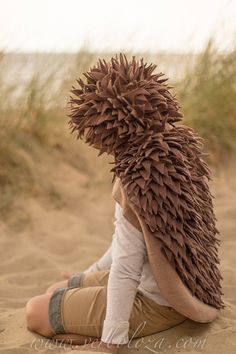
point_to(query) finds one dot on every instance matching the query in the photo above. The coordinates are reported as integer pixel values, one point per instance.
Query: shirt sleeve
(103, 263)
(106, 259)
(128, 255)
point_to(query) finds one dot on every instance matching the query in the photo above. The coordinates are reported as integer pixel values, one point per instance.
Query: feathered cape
(125, 110)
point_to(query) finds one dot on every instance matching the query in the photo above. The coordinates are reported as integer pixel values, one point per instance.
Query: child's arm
(105, 261)
(129, 252)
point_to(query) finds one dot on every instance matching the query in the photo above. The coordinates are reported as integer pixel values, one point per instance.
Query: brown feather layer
(125, 110)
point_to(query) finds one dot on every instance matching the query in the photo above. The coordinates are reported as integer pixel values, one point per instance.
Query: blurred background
(56, 210)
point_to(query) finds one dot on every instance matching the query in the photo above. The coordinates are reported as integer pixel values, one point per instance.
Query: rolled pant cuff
(54, 312)
(75, 280)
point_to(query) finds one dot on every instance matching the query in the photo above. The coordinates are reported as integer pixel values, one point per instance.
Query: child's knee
(37, 315)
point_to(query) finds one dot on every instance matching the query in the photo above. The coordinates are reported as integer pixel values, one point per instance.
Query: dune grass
(207, 95)
(34, 134)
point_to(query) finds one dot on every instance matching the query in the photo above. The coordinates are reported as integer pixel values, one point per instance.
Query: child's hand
(65, 275)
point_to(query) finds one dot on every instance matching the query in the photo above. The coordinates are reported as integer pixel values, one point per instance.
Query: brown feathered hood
(123, 109)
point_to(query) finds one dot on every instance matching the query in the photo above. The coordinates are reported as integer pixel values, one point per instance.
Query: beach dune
(39, 240)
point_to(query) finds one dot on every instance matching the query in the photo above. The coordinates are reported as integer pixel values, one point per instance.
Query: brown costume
(125, 110)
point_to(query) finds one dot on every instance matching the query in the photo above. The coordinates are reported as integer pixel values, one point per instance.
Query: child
(161, 267)
(114, 300)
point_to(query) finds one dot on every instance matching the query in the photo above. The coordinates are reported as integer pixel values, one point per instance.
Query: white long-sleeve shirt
(129, 271)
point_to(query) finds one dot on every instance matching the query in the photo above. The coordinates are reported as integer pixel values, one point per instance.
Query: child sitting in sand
(115, 299)
(161, 266)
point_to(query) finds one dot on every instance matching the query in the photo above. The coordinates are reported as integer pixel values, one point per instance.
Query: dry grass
(207, 94)
(34, 135)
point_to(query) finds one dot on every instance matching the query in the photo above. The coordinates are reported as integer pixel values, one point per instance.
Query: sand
(40, 239)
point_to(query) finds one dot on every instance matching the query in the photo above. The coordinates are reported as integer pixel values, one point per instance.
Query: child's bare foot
(65, 275)
(60, 284)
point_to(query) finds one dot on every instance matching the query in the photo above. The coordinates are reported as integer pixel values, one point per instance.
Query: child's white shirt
(130, 271)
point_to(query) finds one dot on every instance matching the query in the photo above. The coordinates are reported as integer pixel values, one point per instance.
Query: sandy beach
(38, 240)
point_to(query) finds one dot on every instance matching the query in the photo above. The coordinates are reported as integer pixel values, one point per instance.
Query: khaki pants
(81, 307)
